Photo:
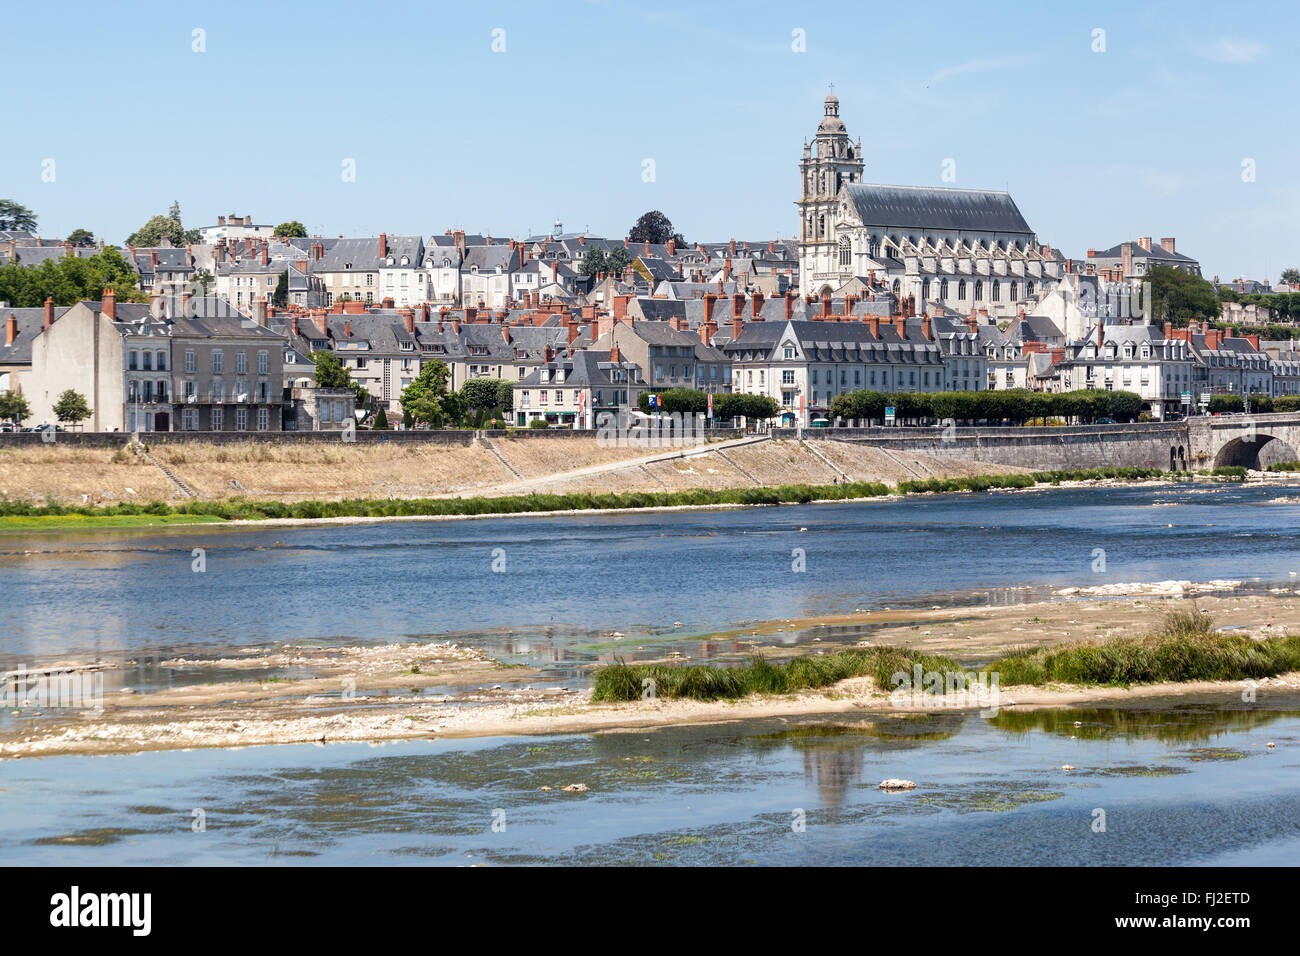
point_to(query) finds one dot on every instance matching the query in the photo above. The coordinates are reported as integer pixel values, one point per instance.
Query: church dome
(831, 122)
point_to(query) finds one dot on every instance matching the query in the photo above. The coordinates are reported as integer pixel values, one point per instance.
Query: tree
(505, 395)
(654, 227)
(203, 278)
(1178, 296)
(330, 373)
(1291, 276)
(280, 298)
(153, 232)
(167, 227)
(617, 259)
(292, 229)
(17, 217)
(81, 237)
(71, 407)
(381, 420)
(70, 279)
(14, 407)
(483, 394)
(593, 262)
(426, 398)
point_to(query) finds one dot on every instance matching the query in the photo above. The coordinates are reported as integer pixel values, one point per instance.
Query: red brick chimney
(731, 248)
(11, 330)
(926, 329)
(1253, 339)
(1168, 244)
(322, 320)
(49, 312)
(408, 316)
(672, 247)
(1092, 253)
(757, 301)
(266, 253)
(736, 326)
(471, 315)
(259, 311)
(710, 302)
(107, 305)
(347, 329)
(900, 323)
(1126, 258)
(574, 331)
(826, 305)
(614, 355)
(1145, 242)
(738, 305)
(383, 245)
(790, 298)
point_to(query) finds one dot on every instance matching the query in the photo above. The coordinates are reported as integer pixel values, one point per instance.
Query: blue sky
(1146, 138)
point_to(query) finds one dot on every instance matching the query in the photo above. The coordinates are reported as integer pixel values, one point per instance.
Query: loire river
(566, 581)
(1192, 784)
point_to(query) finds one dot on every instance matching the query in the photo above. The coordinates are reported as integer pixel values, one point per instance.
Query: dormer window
(390, 260)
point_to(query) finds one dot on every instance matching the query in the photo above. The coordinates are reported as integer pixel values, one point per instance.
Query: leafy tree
(678, 401)
(81, 237)
(617, 259)
(280, 297)
(71, 407)
(505, 396)
(654, 227)
(753, 407)
(483, 394)
(167, 227)
(1291, 276)
(1179, 296)
(292, 229)
(407, 420)
(381, 420)
(70, 279)
(330, 373)
(14, 407)
(17, 217)
(593, 262)
(203, 278)
(426, 398)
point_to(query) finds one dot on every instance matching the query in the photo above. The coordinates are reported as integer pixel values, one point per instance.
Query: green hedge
(1015, 405)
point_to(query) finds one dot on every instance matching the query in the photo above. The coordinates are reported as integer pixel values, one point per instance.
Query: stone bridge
(1254, 441)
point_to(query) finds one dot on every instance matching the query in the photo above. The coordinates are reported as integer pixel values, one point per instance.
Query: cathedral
(955, 250)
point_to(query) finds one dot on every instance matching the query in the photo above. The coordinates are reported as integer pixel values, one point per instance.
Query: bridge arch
(1257, 454)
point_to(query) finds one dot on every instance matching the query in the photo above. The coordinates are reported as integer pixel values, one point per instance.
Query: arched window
(1013, 292)
(846, 252)
(1029, 289)
(961, 289)
(925, 290)
(979, 290)
(898, 287)
(943, 289)
(997, 290)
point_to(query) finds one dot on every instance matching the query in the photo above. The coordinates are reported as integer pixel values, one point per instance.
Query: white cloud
(974, 66)
(1232, 50)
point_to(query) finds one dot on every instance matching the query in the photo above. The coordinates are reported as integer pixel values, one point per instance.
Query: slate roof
(1156, 251)
(30, 323)
(934, 208)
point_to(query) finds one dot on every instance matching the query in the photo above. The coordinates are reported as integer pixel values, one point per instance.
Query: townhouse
(1151, 361)
(577, 388)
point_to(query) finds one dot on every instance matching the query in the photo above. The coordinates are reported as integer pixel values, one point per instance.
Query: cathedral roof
(945, 210)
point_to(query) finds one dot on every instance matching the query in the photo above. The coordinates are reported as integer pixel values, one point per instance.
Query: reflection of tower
(829, 163)
(832, 769)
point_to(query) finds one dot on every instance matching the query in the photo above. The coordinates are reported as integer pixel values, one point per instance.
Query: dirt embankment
(334, 469)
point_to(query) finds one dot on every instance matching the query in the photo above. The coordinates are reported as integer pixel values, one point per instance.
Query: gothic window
(1013, 292)
(1029, 289)
(979, 290)
(821, 226)
(997, 291)
(943, 289)
(898, 287)
(961, 289)
(925, 290)
(846, 252)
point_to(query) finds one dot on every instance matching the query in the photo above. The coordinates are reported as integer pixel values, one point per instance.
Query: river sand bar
(402, 691)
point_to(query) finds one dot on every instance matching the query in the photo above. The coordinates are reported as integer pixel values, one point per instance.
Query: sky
(1105, 122)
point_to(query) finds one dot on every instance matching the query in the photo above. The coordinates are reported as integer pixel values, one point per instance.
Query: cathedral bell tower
(830, 162)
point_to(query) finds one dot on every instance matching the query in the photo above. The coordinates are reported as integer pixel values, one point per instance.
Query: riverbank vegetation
(1184, 647)
(621, 682)
(242, 509)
